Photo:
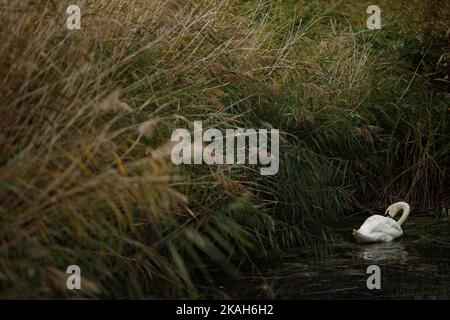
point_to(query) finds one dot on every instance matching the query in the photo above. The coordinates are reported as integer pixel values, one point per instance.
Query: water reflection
(393, 250)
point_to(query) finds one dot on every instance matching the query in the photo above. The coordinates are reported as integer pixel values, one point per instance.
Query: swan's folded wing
(377, 223)
(374, 223)
(389, 227)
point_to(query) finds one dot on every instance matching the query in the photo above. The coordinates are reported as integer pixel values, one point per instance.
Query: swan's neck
(406, 210)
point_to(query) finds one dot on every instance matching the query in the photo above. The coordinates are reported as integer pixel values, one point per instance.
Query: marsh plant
(86, 117)
(237, 147)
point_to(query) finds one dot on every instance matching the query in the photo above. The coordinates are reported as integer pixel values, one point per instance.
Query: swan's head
(395, 208)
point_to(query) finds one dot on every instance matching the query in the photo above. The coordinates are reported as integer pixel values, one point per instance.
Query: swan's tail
(361, 238)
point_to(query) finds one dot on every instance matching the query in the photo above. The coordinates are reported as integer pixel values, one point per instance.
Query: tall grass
(86, 117)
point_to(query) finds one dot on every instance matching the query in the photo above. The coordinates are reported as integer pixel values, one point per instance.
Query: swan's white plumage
(378, 228)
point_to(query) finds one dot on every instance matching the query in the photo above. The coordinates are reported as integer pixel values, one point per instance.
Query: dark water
(415, 267)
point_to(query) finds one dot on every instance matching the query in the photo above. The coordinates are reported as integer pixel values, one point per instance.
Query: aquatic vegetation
(86, 118)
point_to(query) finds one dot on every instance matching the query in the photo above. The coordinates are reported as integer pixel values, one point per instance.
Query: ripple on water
(383, 251)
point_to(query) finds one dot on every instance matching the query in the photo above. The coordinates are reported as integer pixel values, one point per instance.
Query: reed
(86, 117)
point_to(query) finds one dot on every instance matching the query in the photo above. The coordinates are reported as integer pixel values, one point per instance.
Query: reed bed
(86, 118)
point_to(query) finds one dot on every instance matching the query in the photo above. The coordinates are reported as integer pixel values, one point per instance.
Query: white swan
(379, 228)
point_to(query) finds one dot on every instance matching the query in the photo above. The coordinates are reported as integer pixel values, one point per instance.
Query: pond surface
(415, 267)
